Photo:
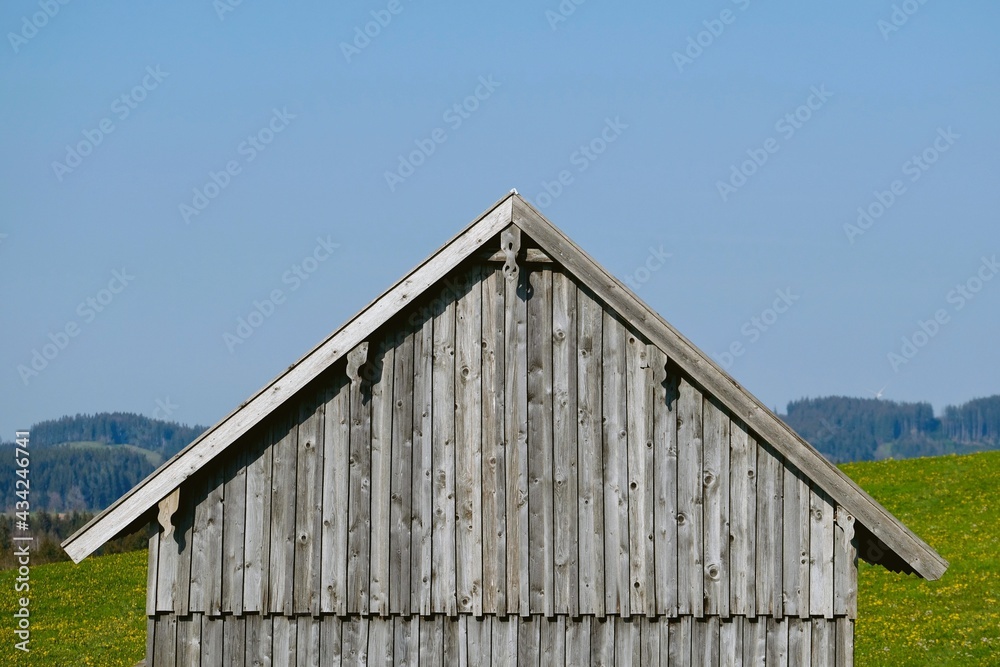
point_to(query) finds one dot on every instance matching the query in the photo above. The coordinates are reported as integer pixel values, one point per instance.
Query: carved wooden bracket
(356, 358)
(167, 508)
(510, 244)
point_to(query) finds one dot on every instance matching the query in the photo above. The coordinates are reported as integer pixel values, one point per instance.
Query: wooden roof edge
(162, 481)
(880, 522)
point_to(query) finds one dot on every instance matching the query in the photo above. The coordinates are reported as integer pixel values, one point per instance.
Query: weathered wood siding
(506, 448)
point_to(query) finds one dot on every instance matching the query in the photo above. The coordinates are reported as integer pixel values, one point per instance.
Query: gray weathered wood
(552, 640)
(443, 437)
(616, 536)
(402, 478)
(494, 459)
(628, 640)
(189, 640)
(731, 642)
(359, 494)
(680, 634)
(182, 542)
(796, 544)
(650, 650)
(354, 652)
(477, 632)
(516, 442)
(716, 509)
(380, 642)
(336, 485)
(257, 541)
(845, 642)
(821, 574)
(330, 639)
(591, 453)
(665, 395)
(742, 520)
(406, 640)
(845, 601)
(165, 641)
(602, 641)
(432, 641)
(234, 641)
(284, 641)
(451, 646)
(152, 560)
(234, 529)
(422, 485)
(309, 506)
(640, 414)
(283, 492)
(469, 445)
(824, 645)
(381, 476)
(800, 640)
(564, 439)
(770, 501)
(690, 489)
(528, 641)
(504, 640)
(540, 464)
(755, 642)
(777, 642)
(307, 635)
(578, 636)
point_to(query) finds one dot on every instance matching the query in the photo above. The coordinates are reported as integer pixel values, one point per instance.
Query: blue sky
(746, 137)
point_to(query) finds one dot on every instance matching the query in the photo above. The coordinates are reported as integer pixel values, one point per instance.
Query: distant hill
(867, 429)
(86, 462)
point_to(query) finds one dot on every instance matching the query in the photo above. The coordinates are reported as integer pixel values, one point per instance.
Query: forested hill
(86, 462)
(865, 429)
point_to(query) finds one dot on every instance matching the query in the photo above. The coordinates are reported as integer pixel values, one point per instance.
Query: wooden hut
(507, 458)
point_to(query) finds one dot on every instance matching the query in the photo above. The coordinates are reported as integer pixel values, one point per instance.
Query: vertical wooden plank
(189, 640)
(336, 485)
(777, 642)
(716, 481)
(234, 643)
(602, 641)
(824, 646)
(165, 641)
(469, 444)
(381, 476)
(527, 641)
(152, 559)
(422, 484)
(845, 642)
(666, 648)
(755, 642)
(742, 520)
(443, 437)
(504, 640)
(639, 410)
(182, 540)
(705, 642)
(307, 634)
(799, 640)
(680, 642)
(564, 438)
(380, 642)
(628, 641)
(283, 487)
(359, 493)
(770, 551)
(578, 641)
(516, 439)
(591, 453)
(330, 640)
(796, 544)
(845, 564)
(234, 528)
(731, 642)
(284, 645)
(406, 640)
(616, 535)
(402, 478)
(821, 555)
(479, 643)
(212, 640)
(432, 641)
(206, 543)
(453, 645)
(649, 629)
(258, 641)
(150, 640)
(354, 651)
(665, 396)
(257, 541)
(552, 640)
(689, 500)
(494, 459)
(308, 507)
(540, 471)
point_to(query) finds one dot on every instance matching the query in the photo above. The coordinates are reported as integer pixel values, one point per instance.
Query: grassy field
(93, 613)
